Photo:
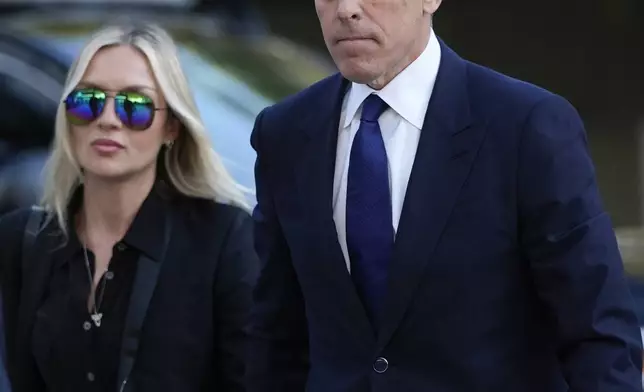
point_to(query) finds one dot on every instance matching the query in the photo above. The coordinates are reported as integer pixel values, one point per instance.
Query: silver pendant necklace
(95, 315)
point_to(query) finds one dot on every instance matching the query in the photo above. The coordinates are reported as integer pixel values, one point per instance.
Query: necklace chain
(96, 305)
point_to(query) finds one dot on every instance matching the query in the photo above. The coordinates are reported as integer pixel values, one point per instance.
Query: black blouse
(78, 355)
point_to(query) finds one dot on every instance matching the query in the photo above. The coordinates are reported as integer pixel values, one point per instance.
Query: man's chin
(357, 73)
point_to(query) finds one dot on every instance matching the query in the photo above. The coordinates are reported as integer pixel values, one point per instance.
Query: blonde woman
(136, 275)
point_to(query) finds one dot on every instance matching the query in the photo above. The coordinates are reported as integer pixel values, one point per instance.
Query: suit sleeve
(236, 276)
(278, 345)
(576, 265)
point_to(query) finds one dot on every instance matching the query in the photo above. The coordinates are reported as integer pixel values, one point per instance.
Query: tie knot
(372, 108)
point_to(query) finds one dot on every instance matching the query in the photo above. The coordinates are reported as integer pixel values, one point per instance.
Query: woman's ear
(173, 127)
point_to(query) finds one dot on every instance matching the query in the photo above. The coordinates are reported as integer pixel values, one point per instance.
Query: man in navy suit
(429, 225)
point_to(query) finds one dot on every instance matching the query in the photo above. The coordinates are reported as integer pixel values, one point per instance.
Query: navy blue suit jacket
(506, 274)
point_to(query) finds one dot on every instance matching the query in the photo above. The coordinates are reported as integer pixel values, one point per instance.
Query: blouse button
(109, 275)
(87, 325)
(90, 376)
(121, 247)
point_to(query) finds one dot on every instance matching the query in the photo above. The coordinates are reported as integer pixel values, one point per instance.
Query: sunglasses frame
(111, 94)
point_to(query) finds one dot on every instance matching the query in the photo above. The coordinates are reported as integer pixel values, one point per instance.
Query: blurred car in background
(234, 68)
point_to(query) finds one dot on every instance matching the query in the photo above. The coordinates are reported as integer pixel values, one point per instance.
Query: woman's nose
(108, 118)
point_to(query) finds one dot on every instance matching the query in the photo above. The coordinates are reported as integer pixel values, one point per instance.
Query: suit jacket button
(381, 365)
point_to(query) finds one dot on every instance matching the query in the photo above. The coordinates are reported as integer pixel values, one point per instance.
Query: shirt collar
(408, 93)
(147, 231)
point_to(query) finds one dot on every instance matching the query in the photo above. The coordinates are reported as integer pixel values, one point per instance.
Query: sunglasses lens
(135, 110)
(84, 105)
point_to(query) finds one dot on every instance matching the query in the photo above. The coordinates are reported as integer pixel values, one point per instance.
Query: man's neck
(109, 207)
(415, 50)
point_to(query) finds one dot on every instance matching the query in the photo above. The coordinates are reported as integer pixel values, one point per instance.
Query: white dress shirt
(407, 95)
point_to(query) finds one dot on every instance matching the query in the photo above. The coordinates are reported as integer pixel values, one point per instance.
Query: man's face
(369, 39)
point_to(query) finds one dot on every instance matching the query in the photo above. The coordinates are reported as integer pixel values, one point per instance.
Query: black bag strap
(31, 232)
(144, 284)
(28, 240)
(3, 347)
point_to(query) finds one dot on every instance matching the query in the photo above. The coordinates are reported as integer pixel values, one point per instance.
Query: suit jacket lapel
(315, 178)
(446, 151)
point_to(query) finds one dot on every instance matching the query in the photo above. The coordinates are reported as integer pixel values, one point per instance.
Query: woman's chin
(108, 172)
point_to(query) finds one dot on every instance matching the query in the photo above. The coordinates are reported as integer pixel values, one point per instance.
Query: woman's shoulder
(12, 240)
(211, 225)
(214, 213)
(13, 223)
(213, 217)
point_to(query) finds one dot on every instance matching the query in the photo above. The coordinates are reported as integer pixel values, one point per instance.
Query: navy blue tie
(370, 233)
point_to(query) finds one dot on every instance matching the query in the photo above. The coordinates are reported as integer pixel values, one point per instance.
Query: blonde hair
(193, 167)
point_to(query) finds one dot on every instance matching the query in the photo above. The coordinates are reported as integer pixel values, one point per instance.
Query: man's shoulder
(494, 89)
(302, 102)
(508, 104)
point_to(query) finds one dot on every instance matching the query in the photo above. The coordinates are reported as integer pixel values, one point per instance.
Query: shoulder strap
(31, 232)
(145, 281)
(29, 239)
